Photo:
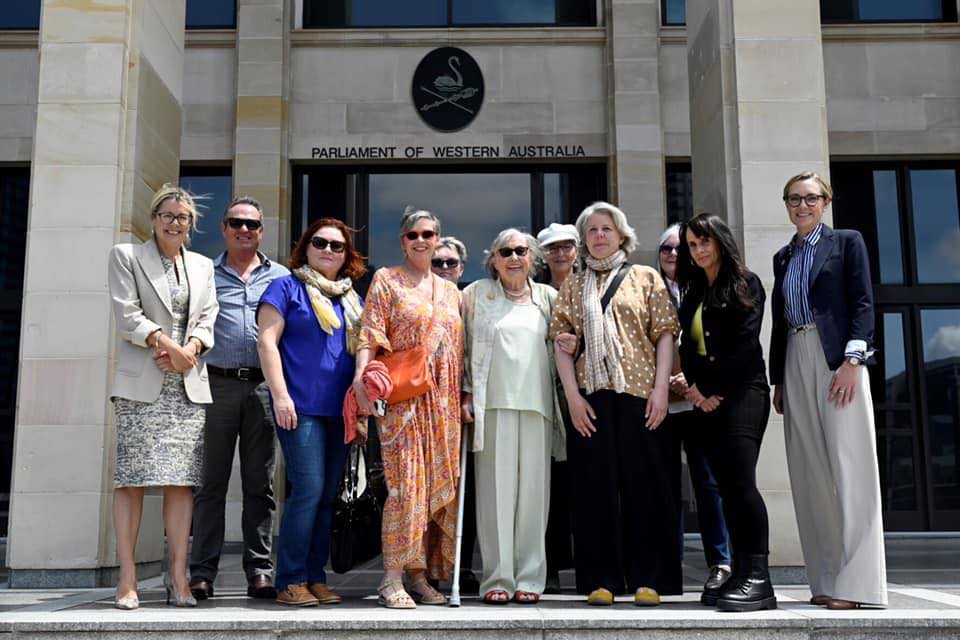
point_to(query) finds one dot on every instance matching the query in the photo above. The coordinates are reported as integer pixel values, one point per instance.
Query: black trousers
(241, 413)
(624, 501)
(558, 536)
(732, 437)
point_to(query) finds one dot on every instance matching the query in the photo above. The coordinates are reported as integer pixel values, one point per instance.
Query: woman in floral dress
(420, 437)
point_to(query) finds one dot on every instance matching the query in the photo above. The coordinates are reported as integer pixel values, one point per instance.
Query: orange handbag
(409, 369)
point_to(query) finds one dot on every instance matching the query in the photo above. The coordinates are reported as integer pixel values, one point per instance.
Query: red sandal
(496, 596)
(526, 597)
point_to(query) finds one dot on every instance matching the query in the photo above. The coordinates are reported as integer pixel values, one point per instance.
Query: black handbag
(357, 515)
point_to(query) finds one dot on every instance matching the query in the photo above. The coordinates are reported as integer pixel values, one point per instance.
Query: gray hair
(669, 231)
(412, 215)
(449, 242)
(253, 202)
(619, 221)
(501, 240)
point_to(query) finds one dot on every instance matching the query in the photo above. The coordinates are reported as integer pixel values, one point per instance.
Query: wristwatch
(854, 361)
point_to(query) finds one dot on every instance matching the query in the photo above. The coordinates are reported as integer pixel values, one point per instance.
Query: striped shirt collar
(812, 238)
(221, 259)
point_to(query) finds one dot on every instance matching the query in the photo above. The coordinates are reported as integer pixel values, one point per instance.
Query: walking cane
(455, 587)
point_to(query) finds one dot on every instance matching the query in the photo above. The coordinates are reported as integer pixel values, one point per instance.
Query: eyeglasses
(668, 248)
(320, 244)
(506, 252)
(812, 199)
(445, 263)
(238, 223)
(414, 235)
(560, 247)
(182, 219)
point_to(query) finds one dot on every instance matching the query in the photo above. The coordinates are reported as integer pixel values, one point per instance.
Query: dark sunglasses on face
(320, 244)
(506, 252)
(668, 248)
(238, 223)
(445, 263)
(414, 235)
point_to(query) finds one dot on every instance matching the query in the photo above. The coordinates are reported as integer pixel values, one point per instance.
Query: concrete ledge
(75, 578)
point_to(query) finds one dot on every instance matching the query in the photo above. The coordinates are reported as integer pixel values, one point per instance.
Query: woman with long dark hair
(720, 316)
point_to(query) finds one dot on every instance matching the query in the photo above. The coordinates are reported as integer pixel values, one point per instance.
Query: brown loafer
(261, 587)
(820, 601)
(201, 588)
(324, 594)
(842, 605)
(297, 595)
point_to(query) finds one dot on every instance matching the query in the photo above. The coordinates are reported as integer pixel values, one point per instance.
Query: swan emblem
(446, 84)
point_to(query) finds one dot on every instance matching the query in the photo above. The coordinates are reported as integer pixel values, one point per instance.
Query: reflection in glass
(936, 224)
(941, 360)
(679, 192)
(900, 10)
(211, 14)
(552, 199)
(472, 207)
(22, 14)
(896, 385)
(674, 12)
(504, 12)
(898, 474)
(218, 191)
(887, 206)
(390, 13)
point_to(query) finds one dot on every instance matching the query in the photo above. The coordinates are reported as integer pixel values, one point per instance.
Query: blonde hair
(619, 219)
(170, 191)
(825, 188)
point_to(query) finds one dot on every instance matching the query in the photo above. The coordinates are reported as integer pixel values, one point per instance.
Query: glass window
(888, 10)
(504, 12)
(941, 368)
(674, 12)
(552, 199)
(679, 192)
(887, 203)
(211, 14)
(214, 185)
(446, 13)
(472, 207)
(896, 386)
(936, 223)
(22, 14)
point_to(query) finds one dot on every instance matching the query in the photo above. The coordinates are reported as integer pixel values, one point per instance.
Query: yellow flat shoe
(646, 597)
(600, 597)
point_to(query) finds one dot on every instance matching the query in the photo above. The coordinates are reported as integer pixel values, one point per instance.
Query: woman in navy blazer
(822, 331)
(720, 317)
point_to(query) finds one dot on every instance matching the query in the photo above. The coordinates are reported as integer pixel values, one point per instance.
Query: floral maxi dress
(420, 437)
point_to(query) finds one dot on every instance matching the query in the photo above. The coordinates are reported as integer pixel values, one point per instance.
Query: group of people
(573, 376)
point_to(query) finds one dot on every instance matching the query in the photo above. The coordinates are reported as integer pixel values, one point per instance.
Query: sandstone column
(261, 168)
(636, 131)
(107, 135)
(757, 116)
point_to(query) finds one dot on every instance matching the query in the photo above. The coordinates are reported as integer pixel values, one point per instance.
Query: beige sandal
(394, 596)
(422, 592)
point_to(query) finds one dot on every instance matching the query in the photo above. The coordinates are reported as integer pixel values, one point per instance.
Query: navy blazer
(841, 297)
(732, 337)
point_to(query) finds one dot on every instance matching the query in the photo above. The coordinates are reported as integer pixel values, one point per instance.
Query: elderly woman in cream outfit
(508, 392)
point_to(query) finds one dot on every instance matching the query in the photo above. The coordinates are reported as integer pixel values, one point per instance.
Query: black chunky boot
(711, 588)
(750, 588)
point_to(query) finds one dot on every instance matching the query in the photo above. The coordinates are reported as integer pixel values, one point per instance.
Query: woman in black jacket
(722, 360)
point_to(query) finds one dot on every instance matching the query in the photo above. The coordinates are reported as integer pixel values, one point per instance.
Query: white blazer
(141, 305)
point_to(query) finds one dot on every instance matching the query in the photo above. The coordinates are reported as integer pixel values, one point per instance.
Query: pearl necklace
(516, 295)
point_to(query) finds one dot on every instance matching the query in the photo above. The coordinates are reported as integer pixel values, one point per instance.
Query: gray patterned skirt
(159, 443)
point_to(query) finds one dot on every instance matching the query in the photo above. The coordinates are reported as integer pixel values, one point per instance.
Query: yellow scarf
(321, 291)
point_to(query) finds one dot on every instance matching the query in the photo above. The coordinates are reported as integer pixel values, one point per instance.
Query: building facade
(491, 114)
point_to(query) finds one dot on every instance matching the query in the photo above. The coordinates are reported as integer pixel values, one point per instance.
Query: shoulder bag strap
(612, 289)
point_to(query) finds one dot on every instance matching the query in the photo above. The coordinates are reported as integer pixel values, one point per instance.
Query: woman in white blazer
(165, 304)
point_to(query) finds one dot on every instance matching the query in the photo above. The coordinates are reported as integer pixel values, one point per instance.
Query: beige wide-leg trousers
(832, 458)
(513, 496)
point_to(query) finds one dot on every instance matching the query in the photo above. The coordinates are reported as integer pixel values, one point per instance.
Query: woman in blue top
(309, 324)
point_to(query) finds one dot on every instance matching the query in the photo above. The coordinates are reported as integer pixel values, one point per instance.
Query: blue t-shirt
(317, 367)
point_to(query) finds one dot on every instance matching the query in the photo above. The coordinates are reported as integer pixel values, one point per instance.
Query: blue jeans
(314, 454)
(713, 526)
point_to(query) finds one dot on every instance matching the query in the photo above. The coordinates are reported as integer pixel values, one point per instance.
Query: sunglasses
(506, 252)
(448, 263)
(668, 248)
(414, 235)
(322, 243)
(238, 223)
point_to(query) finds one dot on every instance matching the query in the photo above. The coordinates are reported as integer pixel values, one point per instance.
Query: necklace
(516, 295)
